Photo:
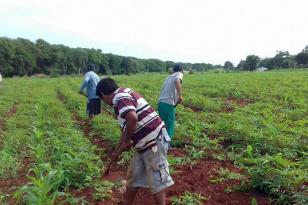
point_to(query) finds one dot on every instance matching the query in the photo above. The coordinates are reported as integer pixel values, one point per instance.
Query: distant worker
(0, 78)
(90, 81)
(142, 129)
(170, 97)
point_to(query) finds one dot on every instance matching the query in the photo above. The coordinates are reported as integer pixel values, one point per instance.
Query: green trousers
(167, 114)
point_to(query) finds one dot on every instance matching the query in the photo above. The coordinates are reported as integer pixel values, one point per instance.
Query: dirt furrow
(6, 116)
(193, 178)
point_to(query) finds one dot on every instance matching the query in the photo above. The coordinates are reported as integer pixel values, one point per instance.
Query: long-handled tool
(111, 162)
(108, 168)
(82, 93)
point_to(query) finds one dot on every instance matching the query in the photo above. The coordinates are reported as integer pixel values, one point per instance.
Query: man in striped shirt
(143, 129)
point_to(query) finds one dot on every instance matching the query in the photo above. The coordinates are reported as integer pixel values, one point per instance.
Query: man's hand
(123, 147)
(178, 88)
(82, 93)
(180, 100)
(114, 157)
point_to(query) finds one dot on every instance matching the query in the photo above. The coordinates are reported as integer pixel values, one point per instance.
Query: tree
(279, 58)
(228, 65)
(267, 63)
(80, 59)
(302, 58)
(251, 62)
(154, 65)
(288, 63)
(241, 65)
(201, 67)
(169, 65)
(6, 57)
(114, 63)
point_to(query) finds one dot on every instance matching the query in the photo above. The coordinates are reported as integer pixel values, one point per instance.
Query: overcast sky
(210, 31)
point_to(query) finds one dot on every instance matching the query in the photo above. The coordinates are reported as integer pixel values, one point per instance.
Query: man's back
(90, 82)
(168, 93)
(149, 124)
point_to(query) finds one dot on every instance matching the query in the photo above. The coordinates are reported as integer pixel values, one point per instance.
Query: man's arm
(84, 83)
(178, 87)
(121, 140)
(124, 143)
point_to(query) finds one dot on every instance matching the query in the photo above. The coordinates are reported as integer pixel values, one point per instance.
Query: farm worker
(143, 130)
(90, 81)
(170, 96)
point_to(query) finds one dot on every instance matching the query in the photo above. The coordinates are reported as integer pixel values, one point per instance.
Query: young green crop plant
(189, 198)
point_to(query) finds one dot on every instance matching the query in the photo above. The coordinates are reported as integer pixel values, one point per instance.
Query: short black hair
(90, 67)
(106, 86)
(178, 68)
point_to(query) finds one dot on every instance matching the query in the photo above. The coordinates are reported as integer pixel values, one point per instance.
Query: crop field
(240, 138)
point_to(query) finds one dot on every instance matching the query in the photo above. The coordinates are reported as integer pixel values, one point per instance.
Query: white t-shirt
(168, 93)
(0, 77)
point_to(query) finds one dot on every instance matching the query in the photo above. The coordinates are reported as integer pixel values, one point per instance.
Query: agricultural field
(240, 138)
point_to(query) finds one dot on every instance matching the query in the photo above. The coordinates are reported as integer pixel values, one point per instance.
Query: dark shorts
(94, 106)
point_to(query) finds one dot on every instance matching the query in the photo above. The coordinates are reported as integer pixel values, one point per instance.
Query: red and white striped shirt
(149, 123)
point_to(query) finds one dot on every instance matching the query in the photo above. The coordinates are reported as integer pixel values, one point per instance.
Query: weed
(189, 198)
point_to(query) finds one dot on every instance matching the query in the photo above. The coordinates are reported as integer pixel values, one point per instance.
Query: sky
(196, 31)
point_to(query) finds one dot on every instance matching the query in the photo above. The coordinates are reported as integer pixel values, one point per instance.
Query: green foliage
(3, 198)
(251, 62)
(254, 201)
(264, 133)
(103, 190)
(228, 65)
(188, 198)
(43, 188)
(19, 57)
(43, 131)
(226, 174)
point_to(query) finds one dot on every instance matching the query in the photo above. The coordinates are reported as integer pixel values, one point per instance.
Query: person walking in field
(89, 83)
(0, 78)
(143, 130)
(170, 96)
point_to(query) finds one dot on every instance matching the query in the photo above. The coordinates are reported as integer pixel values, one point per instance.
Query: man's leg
(170, 121)
(91, 116)
(129, 195)
(161, 111)
(167, 114)
(160, 198)
(135, 178)
(158, 172)
(93, 107)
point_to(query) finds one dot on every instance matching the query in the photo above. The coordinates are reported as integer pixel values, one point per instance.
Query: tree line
(281, 60)
(19, 57)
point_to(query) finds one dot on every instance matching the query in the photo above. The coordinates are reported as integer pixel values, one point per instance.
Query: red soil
(197, 181)
(9, 185)
(230, 101)
(7, 115)
(195, 178)
(177, 152)
(192, 178)
(193, 108)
